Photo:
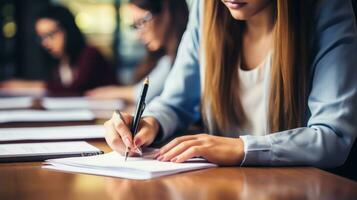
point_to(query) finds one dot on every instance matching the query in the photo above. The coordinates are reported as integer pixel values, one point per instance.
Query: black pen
(138, 112)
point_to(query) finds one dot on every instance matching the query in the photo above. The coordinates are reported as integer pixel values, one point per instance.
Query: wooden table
(29, 181)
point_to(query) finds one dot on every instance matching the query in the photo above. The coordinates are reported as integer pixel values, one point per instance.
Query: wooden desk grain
(29, 181)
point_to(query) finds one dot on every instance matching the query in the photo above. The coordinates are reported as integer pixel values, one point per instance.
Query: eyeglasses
(49, 35)
(140, 23)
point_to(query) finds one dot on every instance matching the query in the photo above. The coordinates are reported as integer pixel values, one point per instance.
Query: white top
(251, 94)
(66, 74)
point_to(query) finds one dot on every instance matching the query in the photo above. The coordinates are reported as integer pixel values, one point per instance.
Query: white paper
(52, 133)
(45, 148)
(45, 116)
(52, 103)
(113, 164)
(16, 102)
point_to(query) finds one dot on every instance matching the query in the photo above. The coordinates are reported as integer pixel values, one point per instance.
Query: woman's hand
(219, 150)
(112, 92)
(22, 84)
(118, 135)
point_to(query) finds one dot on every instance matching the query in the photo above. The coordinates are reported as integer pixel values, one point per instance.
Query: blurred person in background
(75, 66)
(160, 25)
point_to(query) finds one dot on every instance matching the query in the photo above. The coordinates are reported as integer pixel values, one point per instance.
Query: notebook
(52, 133)
(113, 164)
(55, 103)
(21, 152)
(16, 102)
(45, 116)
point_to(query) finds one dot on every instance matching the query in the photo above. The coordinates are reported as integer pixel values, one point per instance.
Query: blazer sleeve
(177, 106)
(332, 127)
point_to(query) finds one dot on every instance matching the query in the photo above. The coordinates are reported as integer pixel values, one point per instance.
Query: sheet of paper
(52, 103)
(45, 148)
(113, 164)
(45, 116)
(16, 102)
(52, 133)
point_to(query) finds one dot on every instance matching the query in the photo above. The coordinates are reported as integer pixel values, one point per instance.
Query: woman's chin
(55, 55)
(153, 46)
(238, 15)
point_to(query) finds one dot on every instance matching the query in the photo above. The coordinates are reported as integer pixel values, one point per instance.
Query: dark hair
(178, 15)
(153, 6)
(74, 40)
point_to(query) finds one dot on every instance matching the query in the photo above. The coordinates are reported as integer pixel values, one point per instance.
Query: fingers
(98, 93)
(144, 137)
(148, 130)
(113, 139)
(118, 135)
(175, 142)
(179, 149)
(121, 122)
(188, 154)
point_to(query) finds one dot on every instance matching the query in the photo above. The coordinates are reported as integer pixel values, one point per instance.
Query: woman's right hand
(119, 136)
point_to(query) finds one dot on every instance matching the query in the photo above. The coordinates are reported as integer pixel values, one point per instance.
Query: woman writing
(159, 25)
(273, 88)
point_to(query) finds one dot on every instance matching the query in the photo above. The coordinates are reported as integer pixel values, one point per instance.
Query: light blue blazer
(331, 127)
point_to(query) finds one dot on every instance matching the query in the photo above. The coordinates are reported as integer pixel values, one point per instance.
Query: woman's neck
(64, 60)
(262, 23)
(257, 38)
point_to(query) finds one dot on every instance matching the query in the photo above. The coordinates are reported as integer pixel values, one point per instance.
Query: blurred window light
(96, 19)
(9, 29)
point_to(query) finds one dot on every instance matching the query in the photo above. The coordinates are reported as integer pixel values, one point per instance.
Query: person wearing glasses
(75, 66)
(159, 25)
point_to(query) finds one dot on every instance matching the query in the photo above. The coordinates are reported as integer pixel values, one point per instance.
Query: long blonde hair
(289, 71)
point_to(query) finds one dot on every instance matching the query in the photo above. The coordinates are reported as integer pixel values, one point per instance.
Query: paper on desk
(52, 103)
(113, 164)
(45, 148)
(52, 133)
(16, 102)
(45, 116)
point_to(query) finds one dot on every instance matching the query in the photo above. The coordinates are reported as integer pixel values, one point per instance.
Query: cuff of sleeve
(166, 117)
(257, 150)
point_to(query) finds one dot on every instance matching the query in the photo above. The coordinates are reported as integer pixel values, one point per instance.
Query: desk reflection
(230, 183)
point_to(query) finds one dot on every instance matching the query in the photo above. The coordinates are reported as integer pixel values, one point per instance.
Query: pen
(138, 112)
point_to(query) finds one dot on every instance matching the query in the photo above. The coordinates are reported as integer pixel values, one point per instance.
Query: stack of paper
(52, 103)
(16, 102)
(113, 164)
(52, 133)
(45, 116)
(42, 151)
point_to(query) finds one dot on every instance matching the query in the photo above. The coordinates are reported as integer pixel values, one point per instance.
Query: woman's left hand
(220, 150)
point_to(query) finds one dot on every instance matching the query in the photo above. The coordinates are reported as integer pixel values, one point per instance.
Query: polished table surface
(29, 181)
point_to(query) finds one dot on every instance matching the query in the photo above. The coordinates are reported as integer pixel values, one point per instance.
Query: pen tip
(126, 156)
(146, 81)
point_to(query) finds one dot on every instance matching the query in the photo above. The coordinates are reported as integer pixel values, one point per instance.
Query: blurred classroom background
(103, 22)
